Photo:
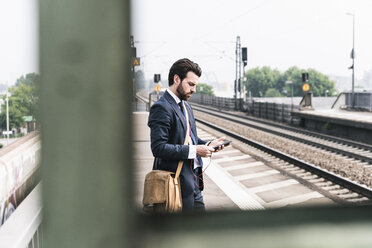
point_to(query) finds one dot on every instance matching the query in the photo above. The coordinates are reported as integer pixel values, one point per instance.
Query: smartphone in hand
(224, 144)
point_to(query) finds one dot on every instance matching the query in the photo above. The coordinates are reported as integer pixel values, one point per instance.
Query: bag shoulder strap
(180, 163)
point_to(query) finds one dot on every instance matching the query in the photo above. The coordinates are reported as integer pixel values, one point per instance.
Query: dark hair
(181, 67)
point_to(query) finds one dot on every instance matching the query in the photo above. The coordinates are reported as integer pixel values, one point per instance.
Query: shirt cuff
(192, 152)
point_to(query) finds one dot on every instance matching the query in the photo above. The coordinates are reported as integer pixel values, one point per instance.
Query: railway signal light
(306, 87)
(157, 78)
(157, 87)
(244, 56)
(305, 77)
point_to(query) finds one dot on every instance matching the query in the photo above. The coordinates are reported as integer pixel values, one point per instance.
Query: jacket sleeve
(160, 123)
(201, 142)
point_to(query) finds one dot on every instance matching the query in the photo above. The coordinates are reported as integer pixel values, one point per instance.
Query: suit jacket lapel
(175, 107)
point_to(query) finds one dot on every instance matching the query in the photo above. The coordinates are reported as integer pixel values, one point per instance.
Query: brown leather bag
(162, 191)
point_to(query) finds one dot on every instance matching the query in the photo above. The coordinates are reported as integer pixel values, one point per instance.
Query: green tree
(259, 80)
(15, 117)
(205, 89)
(26, 94)
(32, 79)
(22, 102)
(268, 82)
(293, 74)
(272, 93)
(319, 83)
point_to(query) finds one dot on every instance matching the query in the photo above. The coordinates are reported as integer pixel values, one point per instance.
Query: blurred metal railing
(362, 100)
(273, 111)
(215, 101)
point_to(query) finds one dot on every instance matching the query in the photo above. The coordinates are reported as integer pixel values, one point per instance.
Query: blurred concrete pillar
(85, 123)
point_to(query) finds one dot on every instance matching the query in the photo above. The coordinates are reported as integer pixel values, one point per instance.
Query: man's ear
(176, 79)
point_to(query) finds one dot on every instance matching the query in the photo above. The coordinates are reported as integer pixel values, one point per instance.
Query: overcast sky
(278, 33)
(18, 39)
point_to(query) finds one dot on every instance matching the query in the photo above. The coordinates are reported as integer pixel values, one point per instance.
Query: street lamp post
(352, 55)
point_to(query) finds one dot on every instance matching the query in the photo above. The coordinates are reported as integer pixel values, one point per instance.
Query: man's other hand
(204, 151)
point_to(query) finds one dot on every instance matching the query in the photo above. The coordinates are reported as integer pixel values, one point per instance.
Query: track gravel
(335, 163)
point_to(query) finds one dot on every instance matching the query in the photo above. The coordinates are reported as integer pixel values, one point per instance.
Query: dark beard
(181, 93)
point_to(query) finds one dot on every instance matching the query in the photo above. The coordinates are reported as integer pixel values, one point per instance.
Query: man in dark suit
(168, 129)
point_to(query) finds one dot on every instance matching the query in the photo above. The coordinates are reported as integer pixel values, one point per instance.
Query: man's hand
(204, 151)
(217, 142)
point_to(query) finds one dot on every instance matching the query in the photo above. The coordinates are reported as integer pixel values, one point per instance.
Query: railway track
(345, 147)
(338, 188)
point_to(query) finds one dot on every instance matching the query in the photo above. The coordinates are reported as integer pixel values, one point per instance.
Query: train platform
(233, 179)
(356, 125)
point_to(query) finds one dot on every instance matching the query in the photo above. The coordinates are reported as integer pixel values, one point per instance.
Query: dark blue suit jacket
(168, 130)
